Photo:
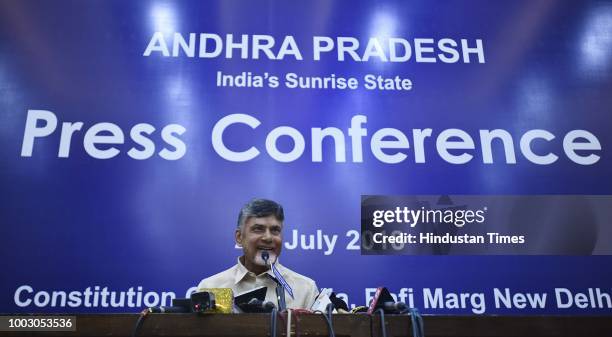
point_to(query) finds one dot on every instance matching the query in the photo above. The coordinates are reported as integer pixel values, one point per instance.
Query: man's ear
(238, 237)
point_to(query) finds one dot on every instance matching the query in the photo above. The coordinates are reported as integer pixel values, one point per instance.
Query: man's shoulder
(224, 279)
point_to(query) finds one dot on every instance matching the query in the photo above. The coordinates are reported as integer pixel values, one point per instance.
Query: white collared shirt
(241, 280)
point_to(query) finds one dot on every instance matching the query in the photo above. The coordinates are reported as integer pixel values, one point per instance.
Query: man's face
(256, 236)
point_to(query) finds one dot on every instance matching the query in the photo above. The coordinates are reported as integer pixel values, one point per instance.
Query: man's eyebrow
(264, 225)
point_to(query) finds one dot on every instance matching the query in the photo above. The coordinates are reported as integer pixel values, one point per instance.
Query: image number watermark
(37, 323)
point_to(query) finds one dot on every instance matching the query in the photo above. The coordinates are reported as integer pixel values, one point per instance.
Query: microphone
(257, 305)
(338, 303)
(280, 290)
(253, 300)
(280, 294)
(384, 300)
(394, 307)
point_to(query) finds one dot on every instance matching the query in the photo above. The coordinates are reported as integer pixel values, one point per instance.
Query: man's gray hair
(259, 208)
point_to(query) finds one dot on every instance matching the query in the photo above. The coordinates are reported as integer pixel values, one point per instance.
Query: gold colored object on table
(224, 299)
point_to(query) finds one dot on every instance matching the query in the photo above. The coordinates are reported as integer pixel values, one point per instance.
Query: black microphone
(280, 294)
(394, 307)
(383, 300)
(280, 290)
(260, 305)
(256, 305)
(338, 303)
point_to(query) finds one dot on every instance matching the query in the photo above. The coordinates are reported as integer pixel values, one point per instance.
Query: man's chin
(261, 262)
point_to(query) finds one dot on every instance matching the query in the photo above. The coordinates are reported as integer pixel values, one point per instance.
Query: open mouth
(265, 248)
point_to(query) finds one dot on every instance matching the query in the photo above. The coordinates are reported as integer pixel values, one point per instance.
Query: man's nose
(267, 236)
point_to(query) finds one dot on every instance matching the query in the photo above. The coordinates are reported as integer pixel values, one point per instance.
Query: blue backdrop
(73, 222)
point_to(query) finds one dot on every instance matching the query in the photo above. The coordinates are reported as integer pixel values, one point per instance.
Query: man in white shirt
(260, 228)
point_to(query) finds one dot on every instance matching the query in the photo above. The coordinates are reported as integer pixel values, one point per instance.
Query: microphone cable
(418, 329)
(140, 321)
(273, 321)
(381, 311)
(328, 318)
(147, 311)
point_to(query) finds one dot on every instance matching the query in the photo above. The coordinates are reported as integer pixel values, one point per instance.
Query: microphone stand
(280, 290)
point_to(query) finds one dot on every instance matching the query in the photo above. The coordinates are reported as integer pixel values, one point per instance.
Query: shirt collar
(242, 271)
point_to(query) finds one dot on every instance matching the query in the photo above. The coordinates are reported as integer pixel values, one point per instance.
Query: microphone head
(382, 299)
(268, 306)
(265, 256)
(338, 302)
(256, 305)
(401, 306)
(394, 307)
